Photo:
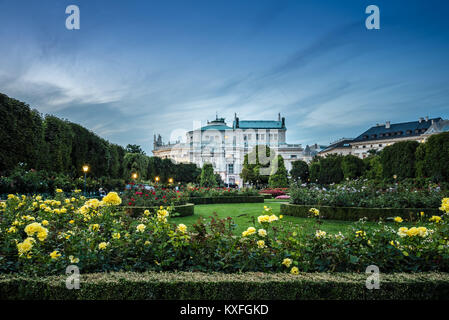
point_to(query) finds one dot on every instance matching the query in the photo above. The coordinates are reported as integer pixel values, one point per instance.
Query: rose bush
(139, 196)
(194, 192)
(363, 193)
(45, 236)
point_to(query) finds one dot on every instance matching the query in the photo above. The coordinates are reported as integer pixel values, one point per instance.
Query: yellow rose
(55, 254)
(398, 219)
(103, 245)
(294, 270)
(141, 228)
(112, 199)
(182, 228)
(261, 244)
(287, 262)
(73, 259)
(116, 235)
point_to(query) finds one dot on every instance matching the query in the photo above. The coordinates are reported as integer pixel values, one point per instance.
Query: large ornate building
(382, 135)
(225, 146)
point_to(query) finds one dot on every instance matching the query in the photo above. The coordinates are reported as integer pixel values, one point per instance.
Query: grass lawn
(244, 213)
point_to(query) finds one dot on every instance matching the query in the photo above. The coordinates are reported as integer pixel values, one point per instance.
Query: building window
(231, 168)
(293, 156)
(262, 137)
(249, 136)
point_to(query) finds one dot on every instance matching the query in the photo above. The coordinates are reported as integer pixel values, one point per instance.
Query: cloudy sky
(136, 68)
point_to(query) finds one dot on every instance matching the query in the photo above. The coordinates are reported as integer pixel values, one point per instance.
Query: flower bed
(354, 214)
(366, 194)
(43, 237)
(221, 199)
(275, 192)
(222, 286)
(202, 192)
(182, 210)
(138, 196)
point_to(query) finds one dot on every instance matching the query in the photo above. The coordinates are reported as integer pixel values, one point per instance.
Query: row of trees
(54, 148)
(402, 160)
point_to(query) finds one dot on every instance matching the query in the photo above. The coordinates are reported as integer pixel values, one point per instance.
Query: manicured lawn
(243, 215)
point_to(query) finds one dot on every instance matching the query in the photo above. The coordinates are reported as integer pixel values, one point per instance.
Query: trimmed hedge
(183, 210)
(220, 286)
(227, 199)
(355, 213)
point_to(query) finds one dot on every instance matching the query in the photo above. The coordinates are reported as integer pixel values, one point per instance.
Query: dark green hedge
(219, 286)
(226, 199)
(182, 210)
(354, 214)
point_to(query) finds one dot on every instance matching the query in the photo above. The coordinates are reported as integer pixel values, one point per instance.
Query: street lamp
(85, 169)
(170, 180)
(157, 179)
(135, 176)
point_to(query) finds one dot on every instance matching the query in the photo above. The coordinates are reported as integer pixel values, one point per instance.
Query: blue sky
(136, 68)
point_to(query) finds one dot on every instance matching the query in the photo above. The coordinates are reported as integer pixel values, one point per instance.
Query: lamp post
(85, 169)
(135, 176)
(157, 179)
(170, 180)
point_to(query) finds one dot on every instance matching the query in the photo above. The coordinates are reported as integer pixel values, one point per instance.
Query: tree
(373, 167)
(315, 169)
(257, 165)
(399, 160)
(207, 178)
(352, 167)
(278, 177)
(58, 139)
(21, 135)
(433, 158)
(134, 148)
(327, 170)
(135, 163)
(299, 171)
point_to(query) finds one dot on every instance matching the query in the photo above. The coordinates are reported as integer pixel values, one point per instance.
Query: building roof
(219, 127)
(341, 144)
(258, 124)
(396, 130)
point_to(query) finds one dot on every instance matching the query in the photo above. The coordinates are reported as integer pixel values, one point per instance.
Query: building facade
(226, 146)
(382, 135)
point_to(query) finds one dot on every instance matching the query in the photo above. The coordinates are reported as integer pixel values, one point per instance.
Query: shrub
(141, 196)
(221, 199)
(274, 192)
(399, 160)
(367, 194)
(327, 170)
(299, 171)
(355, 213)
(207, 178)
(278, 177)
(353, 167)
(433, 157)
(220, 286)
